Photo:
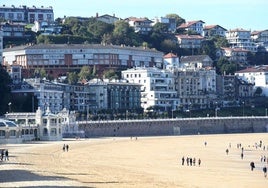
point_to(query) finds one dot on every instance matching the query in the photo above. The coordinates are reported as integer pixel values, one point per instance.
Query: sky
(230, 14)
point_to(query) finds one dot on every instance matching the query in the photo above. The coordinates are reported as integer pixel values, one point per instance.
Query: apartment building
(232, 90)
(13, 29)
(240, 38)
(257, 75)
(157, 87)
(26, 14)
(57, 59)
(196, 88)
(238, 55)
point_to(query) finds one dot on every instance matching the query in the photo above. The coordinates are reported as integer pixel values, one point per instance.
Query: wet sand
(145, 162)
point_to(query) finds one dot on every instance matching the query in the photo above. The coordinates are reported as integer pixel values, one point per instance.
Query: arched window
(2, 133)
(45, 132)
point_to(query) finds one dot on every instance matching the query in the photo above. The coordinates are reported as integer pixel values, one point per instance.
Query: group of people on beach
(65, 147)
(190, 161)
(4, 155)
(264, 159)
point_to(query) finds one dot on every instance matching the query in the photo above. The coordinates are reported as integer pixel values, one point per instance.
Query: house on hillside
(169, 22)
(196, 61)
(140, 25)
(240, 38)
(189, 41)
(214, 30)
(171, 61)
(196, 26)
(260, 38)
(107, 18)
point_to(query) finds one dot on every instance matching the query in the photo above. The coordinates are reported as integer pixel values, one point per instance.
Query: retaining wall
(165, 127)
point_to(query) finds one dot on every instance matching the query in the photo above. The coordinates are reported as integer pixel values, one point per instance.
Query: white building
(240, 38)
(214, 30)
(26, 14)
(44, 125)
(58, 59)
(140, 25)
(258, 76)
(189, 41)
(196, 26)
(157, 89)
(171, 61)
(10, 132)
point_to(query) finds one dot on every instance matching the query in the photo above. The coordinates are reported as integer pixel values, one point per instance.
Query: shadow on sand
(7, 176)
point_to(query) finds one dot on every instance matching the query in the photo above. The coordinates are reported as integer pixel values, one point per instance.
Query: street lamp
(243, 108)
(265, 111)
(9, 107)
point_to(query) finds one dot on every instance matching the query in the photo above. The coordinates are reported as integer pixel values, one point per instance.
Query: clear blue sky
(230, 14)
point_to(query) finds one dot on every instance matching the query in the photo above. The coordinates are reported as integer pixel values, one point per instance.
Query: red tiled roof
(213, 26)
(262, 68)
(170, 55)
(188, 24)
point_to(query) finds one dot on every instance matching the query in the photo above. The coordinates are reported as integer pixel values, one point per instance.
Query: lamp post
(265, 111)
(243, 108)
(9, 107)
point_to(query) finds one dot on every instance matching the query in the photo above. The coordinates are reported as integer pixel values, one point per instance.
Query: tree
(72, 78)
(220, 41)
(258, 91)
(178, 19)
(85, 73)
(110, 74)
(208, 48)
(5, 92)
(97, 29)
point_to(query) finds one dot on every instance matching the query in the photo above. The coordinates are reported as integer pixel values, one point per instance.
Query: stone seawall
(167, 127)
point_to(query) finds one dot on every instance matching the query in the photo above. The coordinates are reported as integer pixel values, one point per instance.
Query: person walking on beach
(63, 148)
(199, 162)
(67, 147)
(182, 160)
(227, 151)
(242, 155)
(194, 161)
(252, 165)
(2, 154)
(264, 171)
(6, 155)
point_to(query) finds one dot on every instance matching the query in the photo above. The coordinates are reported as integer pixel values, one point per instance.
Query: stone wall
(165, 127)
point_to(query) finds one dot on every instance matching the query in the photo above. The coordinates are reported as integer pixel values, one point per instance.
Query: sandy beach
(145, 162)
